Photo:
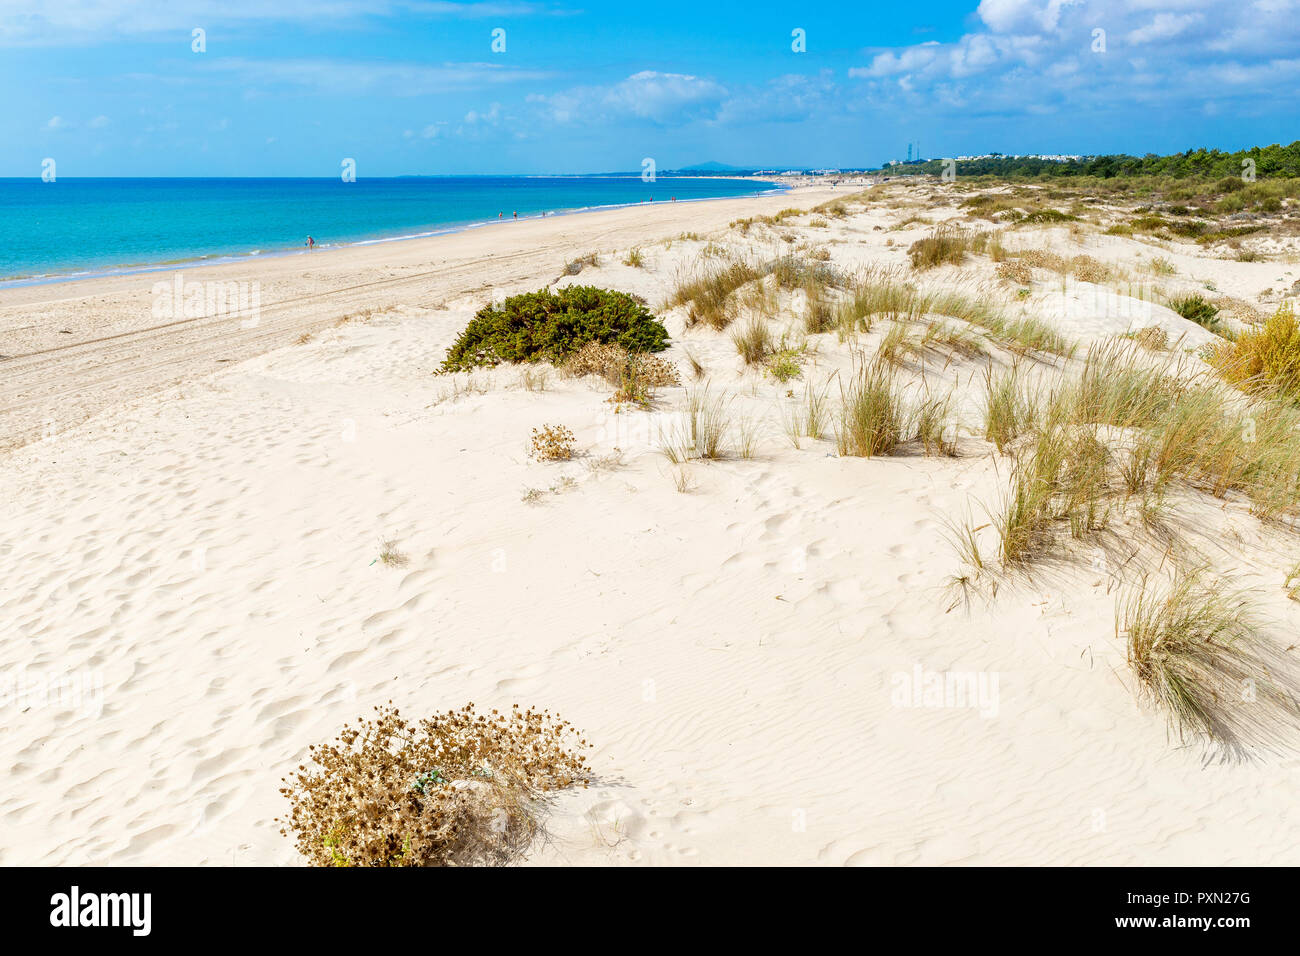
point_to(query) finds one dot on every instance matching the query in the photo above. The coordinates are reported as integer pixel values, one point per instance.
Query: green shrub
(1230, 204)
(1230, 232)
(1192, 228)
(550, 326)
(1040, 216)
(1151, 223)
(1194, 308)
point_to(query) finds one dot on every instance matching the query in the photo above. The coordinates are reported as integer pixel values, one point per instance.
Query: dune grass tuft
(702, 430)
(873, 419)
(754, 342)
(707, 294)
(1008, 411)
(948, 243)
(1197, 653)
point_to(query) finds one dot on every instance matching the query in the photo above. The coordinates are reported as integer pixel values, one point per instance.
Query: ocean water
(73, 227)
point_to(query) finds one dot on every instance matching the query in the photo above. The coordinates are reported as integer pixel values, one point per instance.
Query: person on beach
(311, 243)
(516, 213)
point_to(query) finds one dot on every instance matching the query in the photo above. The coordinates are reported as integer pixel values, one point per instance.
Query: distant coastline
(27, 224)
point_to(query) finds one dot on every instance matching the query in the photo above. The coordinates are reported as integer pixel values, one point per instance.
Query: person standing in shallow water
(516, 213)
(311, 243)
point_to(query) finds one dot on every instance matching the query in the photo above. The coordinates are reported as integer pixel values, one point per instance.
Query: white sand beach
(191, 592)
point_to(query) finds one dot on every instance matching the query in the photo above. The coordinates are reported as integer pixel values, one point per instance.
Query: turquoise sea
(79, 227)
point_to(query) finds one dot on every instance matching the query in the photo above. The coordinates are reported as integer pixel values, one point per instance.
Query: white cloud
(1163, 27)
(489, 117)
(663, 98)
(909, 59)
(1037, 55)
(1018, 16)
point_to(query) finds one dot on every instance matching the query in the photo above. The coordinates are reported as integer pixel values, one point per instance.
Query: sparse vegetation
(698, 370)
(634, 375)
(707, 294)
(1196, 651)
(1015, 271)
(873, 419)
(809, 417)
(948, 243)
(553, 443)
(1045, 216)
(389, 556)
(754, 342)
(702, 431)
(456, 789)
(1153, 338)
(574, 266)
(783, 364)
(934, 426)
(1265, 360)
(1088, 269)
(1007, 409)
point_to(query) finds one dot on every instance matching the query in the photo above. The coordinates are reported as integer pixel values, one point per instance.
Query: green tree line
(1270, 161)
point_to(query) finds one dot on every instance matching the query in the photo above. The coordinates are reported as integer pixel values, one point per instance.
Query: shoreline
(71, 349)
(144, 268)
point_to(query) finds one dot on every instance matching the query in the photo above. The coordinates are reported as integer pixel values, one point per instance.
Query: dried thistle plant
(1015, 271)
(553, 443)
(455, 789)
(635, 375)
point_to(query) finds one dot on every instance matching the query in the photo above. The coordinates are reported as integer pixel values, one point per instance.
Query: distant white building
(1050, 157)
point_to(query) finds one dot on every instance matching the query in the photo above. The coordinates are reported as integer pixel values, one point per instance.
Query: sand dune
(196, 543)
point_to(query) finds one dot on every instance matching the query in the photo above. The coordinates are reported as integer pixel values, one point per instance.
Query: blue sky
(291, 87)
